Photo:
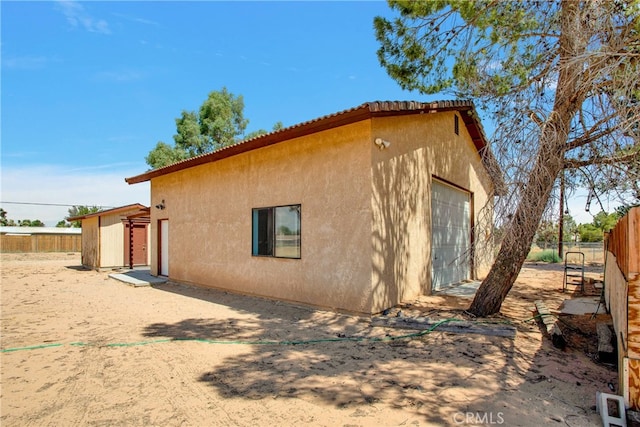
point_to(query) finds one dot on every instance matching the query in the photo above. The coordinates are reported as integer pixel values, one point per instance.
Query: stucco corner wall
(365, 213)
(422, 147)
(209, 212)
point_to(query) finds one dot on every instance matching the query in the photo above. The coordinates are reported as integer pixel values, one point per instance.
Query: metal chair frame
(573, 271)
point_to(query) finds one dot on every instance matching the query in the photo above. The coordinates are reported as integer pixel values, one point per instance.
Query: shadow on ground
(344, 362)
(545, 266)
(78, 268)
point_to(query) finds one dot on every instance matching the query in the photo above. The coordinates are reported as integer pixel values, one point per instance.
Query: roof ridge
(339, 118)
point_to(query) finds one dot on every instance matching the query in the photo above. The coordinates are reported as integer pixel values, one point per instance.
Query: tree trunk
(561, 218)
(520, 233)
(548, 164)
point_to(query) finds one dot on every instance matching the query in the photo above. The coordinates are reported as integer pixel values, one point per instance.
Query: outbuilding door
(136, 243)
(139, 244)
(163, 251)
(450, 234)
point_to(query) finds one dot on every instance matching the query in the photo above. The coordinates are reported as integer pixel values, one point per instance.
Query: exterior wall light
(161, 205)
(382, 144)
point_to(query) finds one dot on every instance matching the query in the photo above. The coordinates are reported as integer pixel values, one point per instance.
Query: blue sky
(89, 88)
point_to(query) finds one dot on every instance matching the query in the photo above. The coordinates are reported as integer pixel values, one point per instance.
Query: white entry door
(450, 234)
(164, 248)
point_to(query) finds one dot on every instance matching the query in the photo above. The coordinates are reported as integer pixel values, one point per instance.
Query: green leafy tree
(189, 139)
(605, 221)
(547, 234)
(80, 210)
(164, 154)
(622, 210)
(30, 223)
(221, 120)
(569, 229)
(218, 123)
(283, 229)
(559, 78)
(602, 222)
(256, 133)
(590, 233)
(4, 221)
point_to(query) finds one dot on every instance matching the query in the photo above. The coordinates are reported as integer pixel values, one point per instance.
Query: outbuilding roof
(110, 211)
(352, 115)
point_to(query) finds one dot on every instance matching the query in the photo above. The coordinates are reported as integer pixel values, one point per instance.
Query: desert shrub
(545, 256)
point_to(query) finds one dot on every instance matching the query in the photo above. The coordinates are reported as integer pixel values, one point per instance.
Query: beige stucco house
(356, 211)
(115, 238)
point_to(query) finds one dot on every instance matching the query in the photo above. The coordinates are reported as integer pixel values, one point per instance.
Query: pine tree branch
(587, 139)
(574, 163)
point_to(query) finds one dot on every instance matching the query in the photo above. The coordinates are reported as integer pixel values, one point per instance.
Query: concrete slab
(582, 305)
(465, 289)
(138, 277)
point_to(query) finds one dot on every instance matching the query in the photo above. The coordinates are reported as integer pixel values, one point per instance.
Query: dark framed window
(276, 231)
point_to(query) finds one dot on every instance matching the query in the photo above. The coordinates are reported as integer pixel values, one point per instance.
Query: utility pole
(561, 216)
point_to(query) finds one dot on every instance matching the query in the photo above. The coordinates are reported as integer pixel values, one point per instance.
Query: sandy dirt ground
(79, 348)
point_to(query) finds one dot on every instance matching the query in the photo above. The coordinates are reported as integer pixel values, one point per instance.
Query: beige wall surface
(422, 147)
(365, 212)
(112, 239)
(209, 208)
(90, 236)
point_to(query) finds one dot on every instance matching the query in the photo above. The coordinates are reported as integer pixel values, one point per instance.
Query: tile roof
(110, 211)
(341, 118)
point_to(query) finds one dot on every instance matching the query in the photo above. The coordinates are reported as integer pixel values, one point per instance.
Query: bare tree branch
(573, 163)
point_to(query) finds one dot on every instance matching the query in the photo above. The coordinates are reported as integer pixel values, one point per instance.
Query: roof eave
(362, 112)
(109, 211)
(296, 131)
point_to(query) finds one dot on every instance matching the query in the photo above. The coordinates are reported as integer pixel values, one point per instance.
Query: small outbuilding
(355, 211)
(115, 238)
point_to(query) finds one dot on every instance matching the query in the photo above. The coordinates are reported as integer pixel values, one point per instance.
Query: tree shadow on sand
(78, 268)
(299, 353)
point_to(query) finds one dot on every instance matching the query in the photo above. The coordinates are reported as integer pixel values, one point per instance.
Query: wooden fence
(622, 295)
(40, 243)
(624, 242)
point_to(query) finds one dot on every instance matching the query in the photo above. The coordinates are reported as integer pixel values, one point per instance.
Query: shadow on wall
(400, 244)
(484, 244)
(402, 235)
(450, 235)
